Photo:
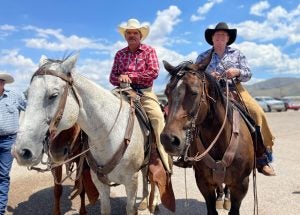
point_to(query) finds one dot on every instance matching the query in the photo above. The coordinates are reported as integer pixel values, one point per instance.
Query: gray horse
(100, 115)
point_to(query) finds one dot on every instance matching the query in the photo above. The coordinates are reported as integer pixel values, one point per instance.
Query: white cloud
(195, 18)
(96, 70)
(279, 24)
(254, 30)
(54, 40)
(13, 58)
(204, 9)
(20, 67)
(276, 14)
(259, 8)
(7, 28)
(163, 25)
(269, 58)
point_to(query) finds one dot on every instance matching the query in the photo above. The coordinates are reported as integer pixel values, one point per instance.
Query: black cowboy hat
(220, 26)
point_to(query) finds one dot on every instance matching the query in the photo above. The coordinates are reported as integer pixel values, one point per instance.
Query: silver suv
(273, 104)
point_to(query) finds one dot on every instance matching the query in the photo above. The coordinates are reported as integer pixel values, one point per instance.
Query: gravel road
(31, 192)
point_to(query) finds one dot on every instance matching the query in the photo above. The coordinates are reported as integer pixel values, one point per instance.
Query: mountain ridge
(275, 87)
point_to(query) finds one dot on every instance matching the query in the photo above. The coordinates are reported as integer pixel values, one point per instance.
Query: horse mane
(183, 65)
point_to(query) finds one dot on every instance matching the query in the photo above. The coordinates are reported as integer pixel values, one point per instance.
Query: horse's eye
(53, 96)
(194, 93)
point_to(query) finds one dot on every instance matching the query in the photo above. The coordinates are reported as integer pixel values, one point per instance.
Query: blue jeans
(6, 160)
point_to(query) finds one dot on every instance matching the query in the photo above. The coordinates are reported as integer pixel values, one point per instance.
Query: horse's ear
(194, 66)
(200, 67)
(43, 60)
(70, 62)
(204, 63)
(168, 66)
(206, 60)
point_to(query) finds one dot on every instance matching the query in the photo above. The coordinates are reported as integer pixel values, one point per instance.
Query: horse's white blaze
(179, 84)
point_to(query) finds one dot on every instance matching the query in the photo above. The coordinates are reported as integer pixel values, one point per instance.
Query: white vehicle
(263, 105)
(273, 104)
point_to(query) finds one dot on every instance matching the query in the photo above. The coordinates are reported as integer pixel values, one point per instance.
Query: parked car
(291, 102)
(263, 105)
(273, 104)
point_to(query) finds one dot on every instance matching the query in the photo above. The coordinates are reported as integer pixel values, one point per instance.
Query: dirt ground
(31, 192)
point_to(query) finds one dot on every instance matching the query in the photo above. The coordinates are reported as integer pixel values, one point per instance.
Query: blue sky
(268, 34)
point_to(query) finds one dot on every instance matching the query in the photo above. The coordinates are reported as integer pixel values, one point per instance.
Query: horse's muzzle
(171, 143)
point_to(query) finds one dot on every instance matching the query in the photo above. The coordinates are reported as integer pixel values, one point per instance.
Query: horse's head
(65, 144)
(188, 95)
(52, 106)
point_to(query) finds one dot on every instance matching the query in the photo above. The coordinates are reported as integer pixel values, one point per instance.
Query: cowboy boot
(263, 164)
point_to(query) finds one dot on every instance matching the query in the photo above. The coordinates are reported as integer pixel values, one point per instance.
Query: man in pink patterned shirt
(137, 65)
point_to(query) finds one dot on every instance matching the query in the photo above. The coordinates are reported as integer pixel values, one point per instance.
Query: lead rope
(199, 156)
(186, 203)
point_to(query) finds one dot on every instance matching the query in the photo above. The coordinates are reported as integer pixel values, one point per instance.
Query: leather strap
(62, 103)
(219, 167)
(59, 112)
(102, 171)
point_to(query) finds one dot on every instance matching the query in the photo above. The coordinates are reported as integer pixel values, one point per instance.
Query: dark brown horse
(201, 119)
(66, 145)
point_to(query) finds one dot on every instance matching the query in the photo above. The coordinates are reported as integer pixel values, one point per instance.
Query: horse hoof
(219, 203)
(142, 206)
(227, 204)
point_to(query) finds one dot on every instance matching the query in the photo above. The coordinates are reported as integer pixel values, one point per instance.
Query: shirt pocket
(140, 64)
(11, 108)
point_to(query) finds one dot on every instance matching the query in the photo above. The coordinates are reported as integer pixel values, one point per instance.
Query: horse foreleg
(227, 202)
(237, 193)
(220, 195)
(57, 191)
(104, 191)
(153, 198)
(131, 186)
(208, 192)
(144, 202)
(82, 210)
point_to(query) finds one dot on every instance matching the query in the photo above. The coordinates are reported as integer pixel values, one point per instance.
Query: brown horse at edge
(198, 109)
(67, 145)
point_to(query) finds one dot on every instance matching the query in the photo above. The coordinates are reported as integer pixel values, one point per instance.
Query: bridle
(53, 123)
(101, 171)
(192, 130)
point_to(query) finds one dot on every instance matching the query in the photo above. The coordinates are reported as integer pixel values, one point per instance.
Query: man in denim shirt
(231, 63)
(10, 106)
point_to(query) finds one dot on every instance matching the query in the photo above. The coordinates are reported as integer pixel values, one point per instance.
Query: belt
(139, 87)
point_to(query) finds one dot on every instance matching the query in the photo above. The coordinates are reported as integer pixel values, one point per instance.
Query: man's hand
(232, 72)
(216, 75)
(124, 78)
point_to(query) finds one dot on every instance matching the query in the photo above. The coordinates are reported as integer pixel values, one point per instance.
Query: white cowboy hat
(6, 77)
(134, 24)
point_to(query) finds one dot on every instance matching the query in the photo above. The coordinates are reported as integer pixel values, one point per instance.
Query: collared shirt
(141, 66)
(232, 58)
(10, 106)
